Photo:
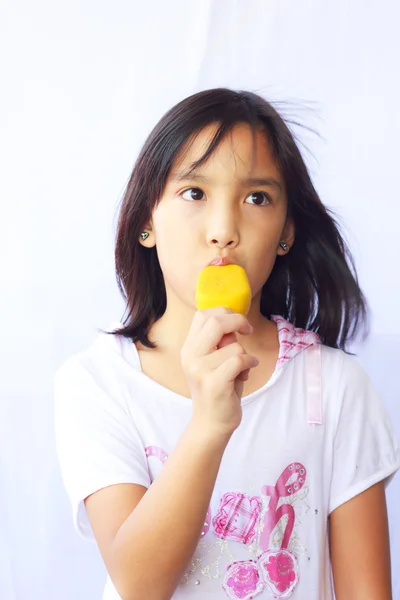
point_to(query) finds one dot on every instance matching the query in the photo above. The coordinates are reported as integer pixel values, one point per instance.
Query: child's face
(217, 211)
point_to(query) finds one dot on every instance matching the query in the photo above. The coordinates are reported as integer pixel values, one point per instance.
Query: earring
(284, 246)
(144, 235)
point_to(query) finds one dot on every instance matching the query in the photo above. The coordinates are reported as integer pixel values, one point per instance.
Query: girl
(209, 454)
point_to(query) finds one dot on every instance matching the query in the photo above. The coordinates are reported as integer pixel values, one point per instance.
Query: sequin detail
(242, 518)
(242, 580)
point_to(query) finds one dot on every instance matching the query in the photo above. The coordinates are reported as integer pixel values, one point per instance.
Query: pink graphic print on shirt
(295, 474)
(277, 570)
(237, 517)
(243, 581)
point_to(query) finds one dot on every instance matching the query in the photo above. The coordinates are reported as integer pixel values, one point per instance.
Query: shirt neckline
(292, 341)
(245, 399)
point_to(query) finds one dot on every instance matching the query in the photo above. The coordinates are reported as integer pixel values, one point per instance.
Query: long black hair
(314, 286)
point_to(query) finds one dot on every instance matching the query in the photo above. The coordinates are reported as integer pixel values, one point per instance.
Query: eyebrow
(251, 181)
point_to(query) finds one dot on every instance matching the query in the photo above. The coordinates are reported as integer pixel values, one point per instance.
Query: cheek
(262, 240)
(169, 251)
(263, 263)
(261, 256)
(174, 241)
(175, 225)
(268, 220)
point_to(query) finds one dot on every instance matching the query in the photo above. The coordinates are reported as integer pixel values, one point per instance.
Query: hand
(215, 365)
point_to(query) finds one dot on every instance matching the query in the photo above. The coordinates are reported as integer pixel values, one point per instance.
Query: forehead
(243, 151)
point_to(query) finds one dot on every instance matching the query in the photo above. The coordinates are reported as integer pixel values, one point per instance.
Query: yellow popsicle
(226, 286)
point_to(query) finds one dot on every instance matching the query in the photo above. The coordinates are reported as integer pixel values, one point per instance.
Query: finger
(239, 387)
(216, 327)
(201, 317)
(197, 324)
(214, 360)
(244, 375)
(235, 365)
(229, 338)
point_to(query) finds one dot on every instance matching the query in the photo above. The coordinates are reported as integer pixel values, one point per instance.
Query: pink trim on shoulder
(292, 340)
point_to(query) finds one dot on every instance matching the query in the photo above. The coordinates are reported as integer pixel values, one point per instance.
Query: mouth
(221, 261)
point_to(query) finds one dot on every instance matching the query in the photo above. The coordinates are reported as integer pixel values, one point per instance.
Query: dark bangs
(314, 286)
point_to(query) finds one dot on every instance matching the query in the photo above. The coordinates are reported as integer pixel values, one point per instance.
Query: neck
(171, 330)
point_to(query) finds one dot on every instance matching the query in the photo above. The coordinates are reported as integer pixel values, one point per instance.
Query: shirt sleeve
(365, 449)
(96, 439)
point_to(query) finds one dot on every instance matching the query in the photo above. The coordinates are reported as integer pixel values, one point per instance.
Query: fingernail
(256, 361)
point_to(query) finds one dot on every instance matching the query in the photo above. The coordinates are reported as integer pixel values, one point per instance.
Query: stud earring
(284, 246)
(144, 235)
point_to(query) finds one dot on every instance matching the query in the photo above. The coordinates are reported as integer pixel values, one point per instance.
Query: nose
(222, 230)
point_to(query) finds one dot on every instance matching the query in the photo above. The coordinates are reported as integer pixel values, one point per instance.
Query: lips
(221, 261)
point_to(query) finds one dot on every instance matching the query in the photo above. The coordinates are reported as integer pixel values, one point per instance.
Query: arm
(147, 538)
(359, 545)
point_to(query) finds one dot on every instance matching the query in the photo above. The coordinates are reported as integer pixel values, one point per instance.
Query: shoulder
(353, 404)
(81, 369)
(95, 376)
(348, 395)
(338, 368)
(341, 368)
(344, 373)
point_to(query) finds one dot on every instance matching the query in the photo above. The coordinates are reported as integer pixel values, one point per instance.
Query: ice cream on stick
(225, 286)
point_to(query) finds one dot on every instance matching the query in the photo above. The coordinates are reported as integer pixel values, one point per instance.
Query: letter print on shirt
(237, 517)
(265, 524)
(275, 569)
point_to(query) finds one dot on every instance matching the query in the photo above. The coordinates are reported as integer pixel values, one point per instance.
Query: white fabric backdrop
(82, 84)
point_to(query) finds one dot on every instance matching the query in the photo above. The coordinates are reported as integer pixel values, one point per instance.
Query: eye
(259, 199)
(193, 194)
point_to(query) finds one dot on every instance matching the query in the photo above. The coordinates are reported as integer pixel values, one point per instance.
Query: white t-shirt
(313, 437)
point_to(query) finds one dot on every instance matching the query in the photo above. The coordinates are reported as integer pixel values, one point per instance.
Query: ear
(147, 238)
(288, 237)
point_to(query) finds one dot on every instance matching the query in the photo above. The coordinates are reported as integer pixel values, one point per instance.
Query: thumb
(239, 387)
